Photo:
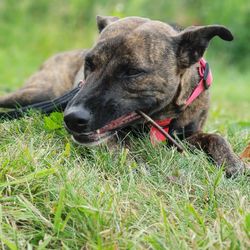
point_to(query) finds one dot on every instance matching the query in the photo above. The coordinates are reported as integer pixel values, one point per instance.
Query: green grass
(57, 195)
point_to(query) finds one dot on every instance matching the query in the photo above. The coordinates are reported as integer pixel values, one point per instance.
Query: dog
(136, 64)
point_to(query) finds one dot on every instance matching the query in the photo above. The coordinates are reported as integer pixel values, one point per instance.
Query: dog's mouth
(102, 134)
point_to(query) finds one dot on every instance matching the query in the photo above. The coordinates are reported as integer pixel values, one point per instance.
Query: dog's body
(137, 64)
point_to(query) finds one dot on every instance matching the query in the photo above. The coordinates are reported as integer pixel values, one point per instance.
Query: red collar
(206, 80)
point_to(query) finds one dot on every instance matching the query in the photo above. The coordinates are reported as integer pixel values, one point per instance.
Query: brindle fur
(137, 64)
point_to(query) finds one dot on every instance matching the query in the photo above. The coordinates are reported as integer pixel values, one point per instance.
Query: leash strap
(46, 107)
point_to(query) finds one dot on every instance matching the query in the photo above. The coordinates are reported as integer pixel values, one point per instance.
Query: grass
(57, 195)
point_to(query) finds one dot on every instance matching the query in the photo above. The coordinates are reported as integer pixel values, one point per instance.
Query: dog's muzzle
(76, 120)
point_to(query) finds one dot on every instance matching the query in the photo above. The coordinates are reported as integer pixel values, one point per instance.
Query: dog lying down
(136, 64)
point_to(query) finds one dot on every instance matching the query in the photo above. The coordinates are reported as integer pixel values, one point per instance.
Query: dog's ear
(193, 41)
(103, 21)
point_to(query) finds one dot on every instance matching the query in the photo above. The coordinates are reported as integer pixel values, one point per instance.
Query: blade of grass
(58, 212)
(46, 241)
(11, 245)
(30, 177)
(32, 208)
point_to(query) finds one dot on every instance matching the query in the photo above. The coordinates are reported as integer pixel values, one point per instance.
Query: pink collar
(206, 80)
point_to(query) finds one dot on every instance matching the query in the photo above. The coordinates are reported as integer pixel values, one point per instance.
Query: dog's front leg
(219, 150)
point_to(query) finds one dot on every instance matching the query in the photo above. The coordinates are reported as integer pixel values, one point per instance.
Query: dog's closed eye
(89, 66)
(132, 73)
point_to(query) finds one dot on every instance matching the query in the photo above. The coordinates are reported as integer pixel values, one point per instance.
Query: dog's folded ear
(193, 41)
(103, 21)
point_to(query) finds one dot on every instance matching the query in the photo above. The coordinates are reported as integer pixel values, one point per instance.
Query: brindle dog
(137, 64)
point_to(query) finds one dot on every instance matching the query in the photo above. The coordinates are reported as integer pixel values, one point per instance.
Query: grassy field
(57, 195)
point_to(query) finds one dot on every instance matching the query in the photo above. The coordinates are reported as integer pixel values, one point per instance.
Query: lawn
(57, 195)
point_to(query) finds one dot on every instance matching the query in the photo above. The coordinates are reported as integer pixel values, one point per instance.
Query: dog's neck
(189, 79)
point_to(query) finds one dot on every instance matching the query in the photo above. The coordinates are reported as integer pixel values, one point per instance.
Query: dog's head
(137, 64)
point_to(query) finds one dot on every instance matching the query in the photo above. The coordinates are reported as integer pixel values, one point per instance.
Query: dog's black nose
(76, 119)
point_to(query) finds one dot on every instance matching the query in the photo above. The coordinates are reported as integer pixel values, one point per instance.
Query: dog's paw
(236, 168)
